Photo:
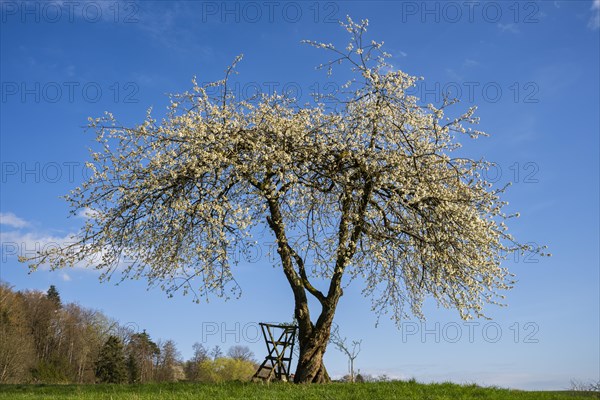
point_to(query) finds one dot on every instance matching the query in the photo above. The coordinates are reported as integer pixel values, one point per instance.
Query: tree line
(43, 340)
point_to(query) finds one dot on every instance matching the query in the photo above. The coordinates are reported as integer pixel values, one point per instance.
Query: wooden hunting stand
(279, 359)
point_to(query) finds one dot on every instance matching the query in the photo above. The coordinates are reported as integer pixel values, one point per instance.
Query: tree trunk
(313, 340)
(310, 364)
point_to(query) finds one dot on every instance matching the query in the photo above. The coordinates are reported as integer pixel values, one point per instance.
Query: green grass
(234, 390)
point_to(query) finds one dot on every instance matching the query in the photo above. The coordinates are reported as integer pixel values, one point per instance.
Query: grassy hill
(234, 390)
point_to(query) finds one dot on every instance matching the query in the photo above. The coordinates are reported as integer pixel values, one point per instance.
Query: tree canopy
(372, 189)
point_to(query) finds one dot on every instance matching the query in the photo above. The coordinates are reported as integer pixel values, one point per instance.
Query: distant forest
(43, 340)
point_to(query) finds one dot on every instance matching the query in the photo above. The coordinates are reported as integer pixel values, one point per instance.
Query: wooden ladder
(276, 365)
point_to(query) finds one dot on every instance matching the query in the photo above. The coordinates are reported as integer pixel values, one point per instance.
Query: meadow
(238, 390)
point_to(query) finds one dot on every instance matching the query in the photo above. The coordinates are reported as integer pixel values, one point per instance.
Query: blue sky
(532, 68)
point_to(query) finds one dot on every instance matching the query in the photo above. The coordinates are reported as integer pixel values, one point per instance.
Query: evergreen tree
(53, 295)
(133, 369)
(111, 366)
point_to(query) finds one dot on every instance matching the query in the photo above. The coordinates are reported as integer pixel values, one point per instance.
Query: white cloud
(87, 213)
(65, 277)
(512, 28)
(12, 220)
(470, 63)
(388, 69)
(15, 243)
(594, 22)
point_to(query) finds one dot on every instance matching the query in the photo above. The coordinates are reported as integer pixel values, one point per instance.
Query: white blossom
(371, 191)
